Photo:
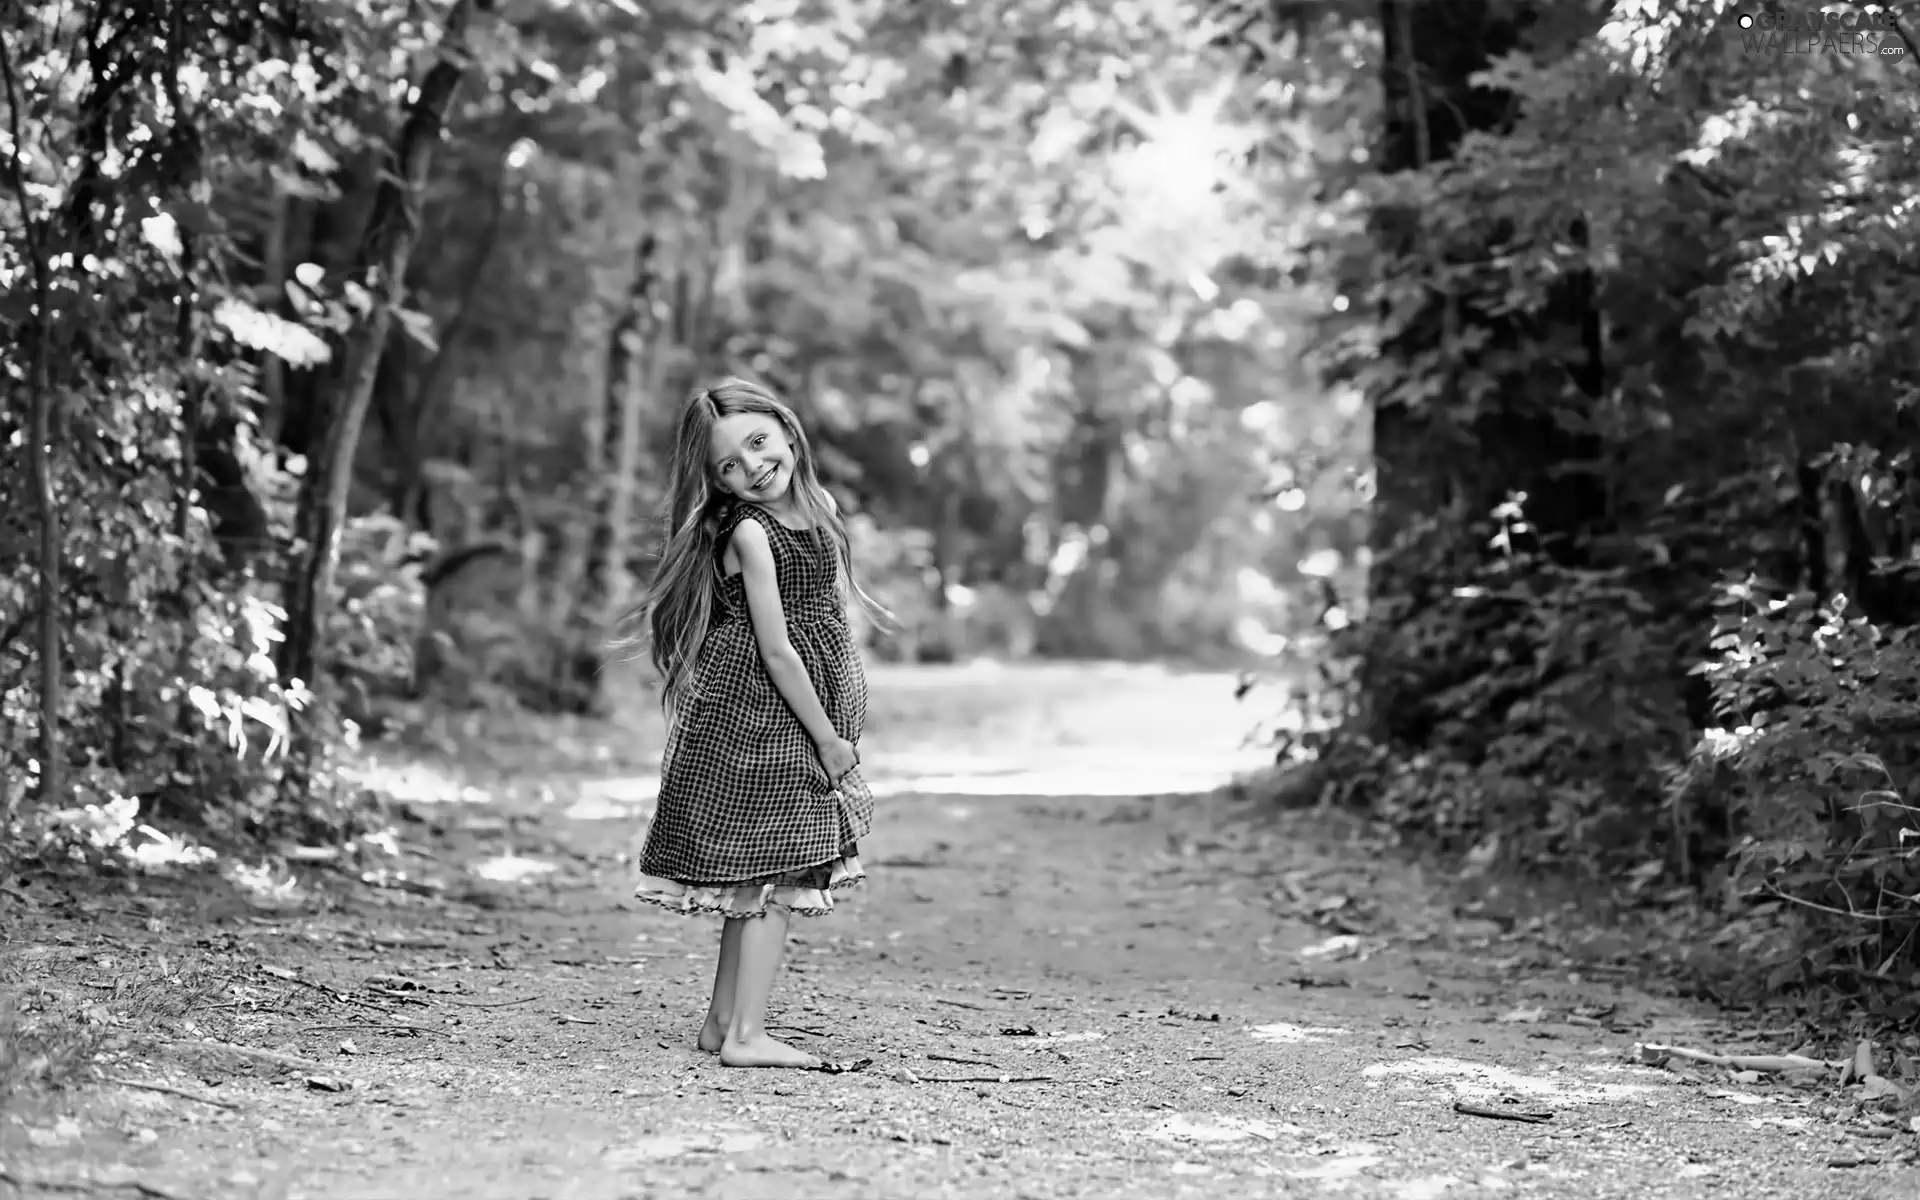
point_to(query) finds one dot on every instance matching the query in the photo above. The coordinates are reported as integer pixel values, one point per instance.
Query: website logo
(1815, 31)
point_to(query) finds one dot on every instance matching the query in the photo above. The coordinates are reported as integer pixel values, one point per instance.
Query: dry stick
(986, 1079)
(24, 1182)
(379, 1029)
(267, 1056)
(961, 1004)
(167, 1090)
(965, 1062)
(1649, 1051)
(1499, 1114)
(493, 1003)
(334, 994)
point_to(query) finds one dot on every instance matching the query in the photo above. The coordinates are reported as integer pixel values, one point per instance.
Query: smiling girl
(761, 802)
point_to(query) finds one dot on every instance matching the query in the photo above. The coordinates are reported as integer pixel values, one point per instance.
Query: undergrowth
(1737, 777)
(66, 1012)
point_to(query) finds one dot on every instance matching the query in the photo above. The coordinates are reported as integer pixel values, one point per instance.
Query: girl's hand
(838, 756)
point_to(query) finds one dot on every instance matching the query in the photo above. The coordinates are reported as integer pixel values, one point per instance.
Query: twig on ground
(962, 1004)
(819, 1033)
(1502, 1114)
(290, 1061)
(986, 1079)
(402, 942)
(564, 1019)
(491, 1003)
(378, 1029)
(1653, 1054)
(88, 1186)
(169, 1090)
(335, 994)
(965, 1062)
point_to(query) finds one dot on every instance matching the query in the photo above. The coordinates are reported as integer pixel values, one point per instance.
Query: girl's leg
(747, 1042)
(725, 972)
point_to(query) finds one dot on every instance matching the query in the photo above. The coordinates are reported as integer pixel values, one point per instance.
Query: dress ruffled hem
(752, 899)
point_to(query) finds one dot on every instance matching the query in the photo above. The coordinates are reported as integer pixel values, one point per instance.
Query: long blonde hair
(675, 615)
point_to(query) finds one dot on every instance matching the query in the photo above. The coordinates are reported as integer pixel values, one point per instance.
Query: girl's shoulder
(740, 512)
(745, 510)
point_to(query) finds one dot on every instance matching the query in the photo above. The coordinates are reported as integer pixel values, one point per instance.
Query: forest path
(1133, 982)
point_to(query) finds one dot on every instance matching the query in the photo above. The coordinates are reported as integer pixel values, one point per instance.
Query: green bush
(1813, 758)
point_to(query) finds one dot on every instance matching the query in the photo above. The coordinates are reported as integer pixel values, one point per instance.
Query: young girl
(761, 802)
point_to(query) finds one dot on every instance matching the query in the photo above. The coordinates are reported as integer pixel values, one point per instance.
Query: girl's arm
(784, 665)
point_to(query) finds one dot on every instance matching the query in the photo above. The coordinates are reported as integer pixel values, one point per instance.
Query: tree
(386, 247)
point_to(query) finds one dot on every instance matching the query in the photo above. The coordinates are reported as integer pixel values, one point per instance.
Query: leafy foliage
(1639, 289)
(347, 335)
(1096, 315)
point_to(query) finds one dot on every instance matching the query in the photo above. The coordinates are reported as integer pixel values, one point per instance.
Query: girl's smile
(752, 457)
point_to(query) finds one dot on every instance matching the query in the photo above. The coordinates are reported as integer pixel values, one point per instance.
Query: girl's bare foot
(764, 1050)
(712, 1034)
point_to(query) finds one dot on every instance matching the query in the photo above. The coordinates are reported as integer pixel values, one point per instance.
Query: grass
(65, 1009)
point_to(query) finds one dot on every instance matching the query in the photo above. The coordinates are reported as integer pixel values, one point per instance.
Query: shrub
(1812, 756)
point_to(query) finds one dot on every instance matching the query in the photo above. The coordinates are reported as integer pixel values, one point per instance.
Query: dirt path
(1143, 1018)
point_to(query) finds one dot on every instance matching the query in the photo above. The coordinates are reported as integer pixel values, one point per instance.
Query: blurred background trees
(1525, 383)
(356, 329)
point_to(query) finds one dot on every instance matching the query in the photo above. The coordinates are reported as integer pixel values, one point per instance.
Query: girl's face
(752, 458)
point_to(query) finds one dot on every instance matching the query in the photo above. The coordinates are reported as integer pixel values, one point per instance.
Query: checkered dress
(744, 798)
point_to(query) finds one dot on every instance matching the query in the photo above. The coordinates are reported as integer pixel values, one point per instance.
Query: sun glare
(1185, 155)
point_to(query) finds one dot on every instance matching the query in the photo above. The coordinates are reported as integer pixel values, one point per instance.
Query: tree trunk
(1458, 451)
(645, 356)
(385, 246)
(273, 288)
(642, 370)
(40, 454)
(429, 392)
